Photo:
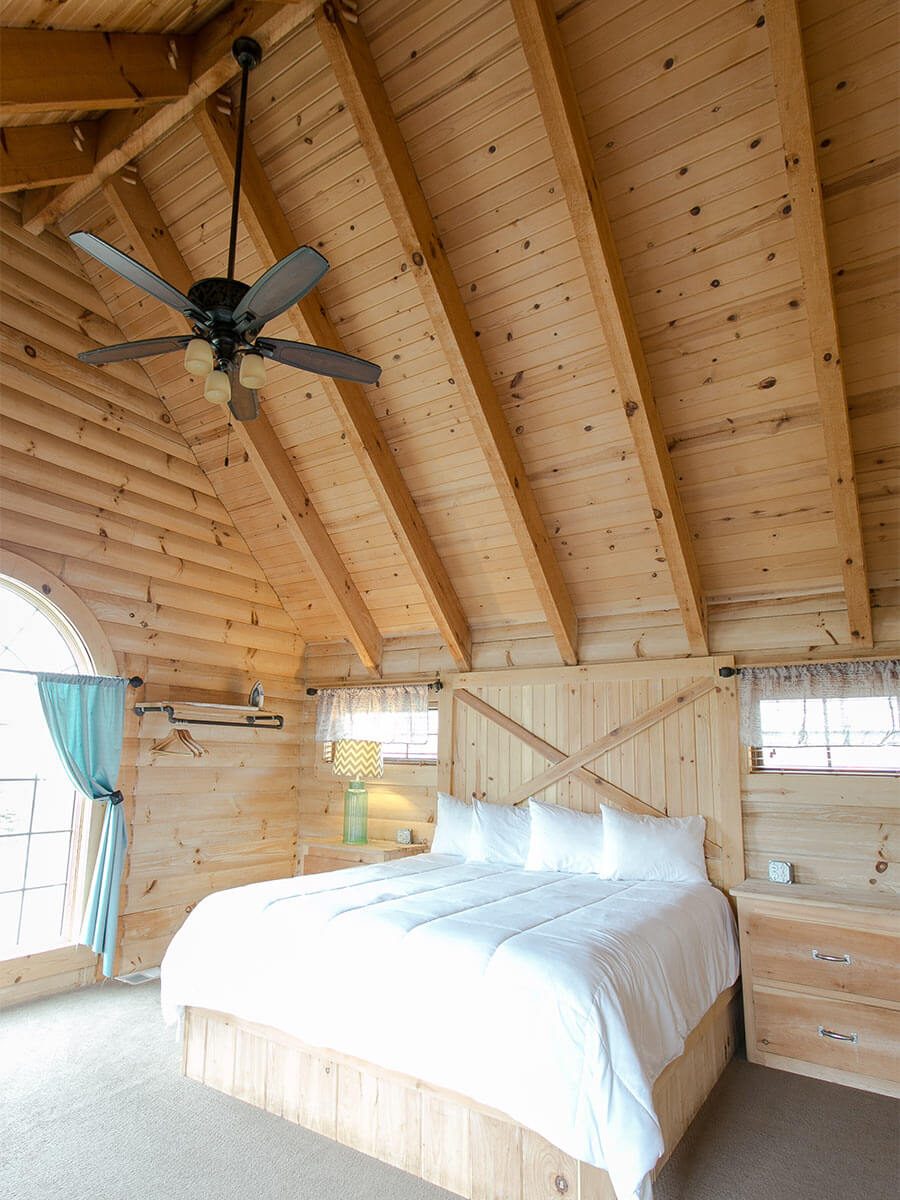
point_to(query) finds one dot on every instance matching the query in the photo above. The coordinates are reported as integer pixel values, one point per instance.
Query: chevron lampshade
(357, 760)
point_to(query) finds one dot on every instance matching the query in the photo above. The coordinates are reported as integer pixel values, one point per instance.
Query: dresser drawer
(798, 1027)
(824, 956)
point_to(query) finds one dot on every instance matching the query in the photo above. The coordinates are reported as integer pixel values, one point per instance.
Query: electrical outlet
(781, 872)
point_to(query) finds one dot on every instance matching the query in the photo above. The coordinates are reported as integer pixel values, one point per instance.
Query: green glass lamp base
(356, 814)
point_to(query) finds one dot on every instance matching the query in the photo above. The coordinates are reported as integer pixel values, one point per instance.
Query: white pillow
(669, 849)
(563, 839)
(453, 834)
(500, 833)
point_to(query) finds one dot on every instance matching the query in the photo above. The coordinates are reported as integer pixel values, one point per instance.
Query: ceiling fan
(225, 347)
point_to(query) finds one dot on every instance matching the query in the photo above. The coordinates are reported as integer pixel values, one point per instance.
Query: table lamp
(357, 761)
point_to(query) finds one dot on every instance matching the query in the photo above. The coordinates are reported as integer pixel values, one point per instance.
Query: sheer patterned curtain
(393, 713)
(817, 704)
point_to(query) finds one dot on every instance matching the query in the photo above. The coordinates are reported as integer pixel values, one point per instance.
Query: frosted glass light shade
(357, 760)
(217, 388)
(198, 358)
(253, 371)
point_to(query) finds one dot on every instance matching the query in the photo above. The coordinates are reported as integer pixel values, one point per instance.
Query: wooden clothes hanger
(178, 737)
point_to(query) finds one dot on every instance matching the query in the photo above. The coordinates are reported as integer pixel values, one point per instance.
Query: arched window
(43, 822)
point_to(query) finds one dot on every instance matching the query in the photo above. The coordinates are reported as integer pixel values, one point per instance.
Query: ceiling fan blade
(125, 351)
(244, 403)
(139, 275)
(318, 360)
(280, 288)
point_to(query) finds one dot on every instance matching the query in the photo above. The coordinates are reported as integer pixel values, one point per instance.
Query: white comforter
(557, 999)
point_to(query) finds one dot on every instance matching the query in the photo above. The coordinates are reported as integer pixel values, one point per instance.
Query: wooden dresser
(821, 978)
(318, 855)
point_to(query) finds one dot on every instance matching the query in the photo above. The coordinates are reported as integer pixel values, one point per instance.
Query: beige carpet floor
(92, 1107)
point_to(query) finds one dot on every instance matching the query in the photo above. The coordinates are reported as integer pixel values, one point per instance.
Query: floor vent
(147, 976)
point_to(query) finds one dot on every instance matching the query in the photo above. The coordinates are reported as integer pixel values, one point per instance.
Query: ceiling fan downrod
(247, 54)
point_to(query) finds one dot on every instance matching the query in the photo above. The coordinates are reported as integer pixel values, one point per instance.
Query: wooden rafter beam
(273, 238)
(539, 34)
(146, 230)
(383, 143)
(810, 231)
(39, 156)
(122, 136)
(44, 70)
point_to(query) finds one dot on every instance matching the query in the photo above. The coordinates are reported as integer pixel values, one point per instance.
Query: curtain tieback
(115, 797)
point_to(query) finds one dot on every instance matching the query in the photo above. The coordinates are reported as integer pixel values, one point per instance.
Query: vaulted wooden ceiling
(586, 243)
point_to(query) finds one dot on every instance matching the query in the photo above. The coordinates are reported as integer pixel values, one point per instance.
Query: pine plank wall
(99, 490)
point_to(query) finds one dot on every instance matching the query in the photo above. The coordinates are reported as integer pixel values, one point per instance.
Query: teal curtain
(86, 716)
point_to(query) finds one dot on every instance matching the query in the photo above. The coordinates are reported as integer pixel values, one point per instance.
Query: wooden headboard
(656, 737)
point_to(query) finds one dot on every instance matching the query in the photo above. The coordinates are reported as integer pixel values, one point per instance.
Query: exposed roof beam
(382, 141)
(798, 133)
(264, 218)
(139, 217)
(539, 34)
(38, 156)
(44, 70)
(122, 137)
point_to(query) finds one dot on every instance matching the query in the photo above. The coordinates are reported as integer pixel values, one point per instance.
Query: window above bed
(832, 717)
(402, 718)
(414, 753)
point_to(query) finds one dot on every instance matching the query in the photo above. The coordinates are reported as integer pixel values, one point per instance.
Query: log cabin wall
(101, 490)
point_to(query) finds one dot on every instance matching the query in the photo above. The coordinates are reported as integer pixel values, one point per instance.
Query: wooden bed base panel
(437, 1135)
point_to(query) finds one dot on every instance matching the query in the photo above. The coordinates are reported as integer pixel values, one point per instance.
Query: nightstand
(821, 979)
(318, 855)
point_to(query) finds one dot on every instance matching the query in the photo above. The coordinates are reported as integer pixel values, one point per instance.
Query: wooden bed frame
(670, 746)
(439, 1136)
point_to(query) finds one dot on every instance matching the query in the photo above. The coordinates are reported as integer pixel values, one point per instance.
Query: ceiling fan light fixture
(217, 388)
(198, 358)
(253, 371)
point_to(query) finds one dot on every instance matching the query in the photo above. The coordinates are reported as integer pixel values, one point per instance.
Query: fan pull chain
(227, 443)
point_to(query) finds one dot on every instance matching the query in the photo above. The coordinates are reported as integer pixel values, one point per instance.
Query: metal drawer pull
(838, 1037)
(839, 958)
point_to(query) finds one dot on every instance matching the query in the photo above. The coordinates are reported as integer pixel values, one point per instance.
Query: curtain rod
(435, 685)
(135, 681)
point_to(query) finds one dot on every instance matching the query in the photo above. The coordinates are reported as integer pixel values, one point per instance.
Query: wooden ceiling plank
(212, 66)
(40, 156)
(273, 238)
(134, 207)
(539, 34)
(46, 70)
(386, 150)
(808, 212)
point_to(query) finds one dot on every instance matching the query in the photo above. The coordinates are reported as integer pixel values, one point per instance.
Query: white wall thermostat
(404, 837)
(781, 872)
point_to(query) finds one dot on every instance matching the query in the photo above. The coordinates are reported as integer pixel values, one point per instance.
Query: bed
(501, 1032)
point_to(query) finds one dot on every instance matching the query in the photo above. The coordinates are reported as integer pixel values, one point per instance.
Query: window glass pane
(53, 807)
(15, 805)
(13, 851)
(856, 733)
(10, 904)
(48, 859)
(42, 913)
(399, 752)
(34, 636)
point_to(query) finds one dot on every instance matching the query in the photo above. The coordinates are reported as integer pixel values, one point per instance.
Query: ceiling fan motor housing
(247, 52)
